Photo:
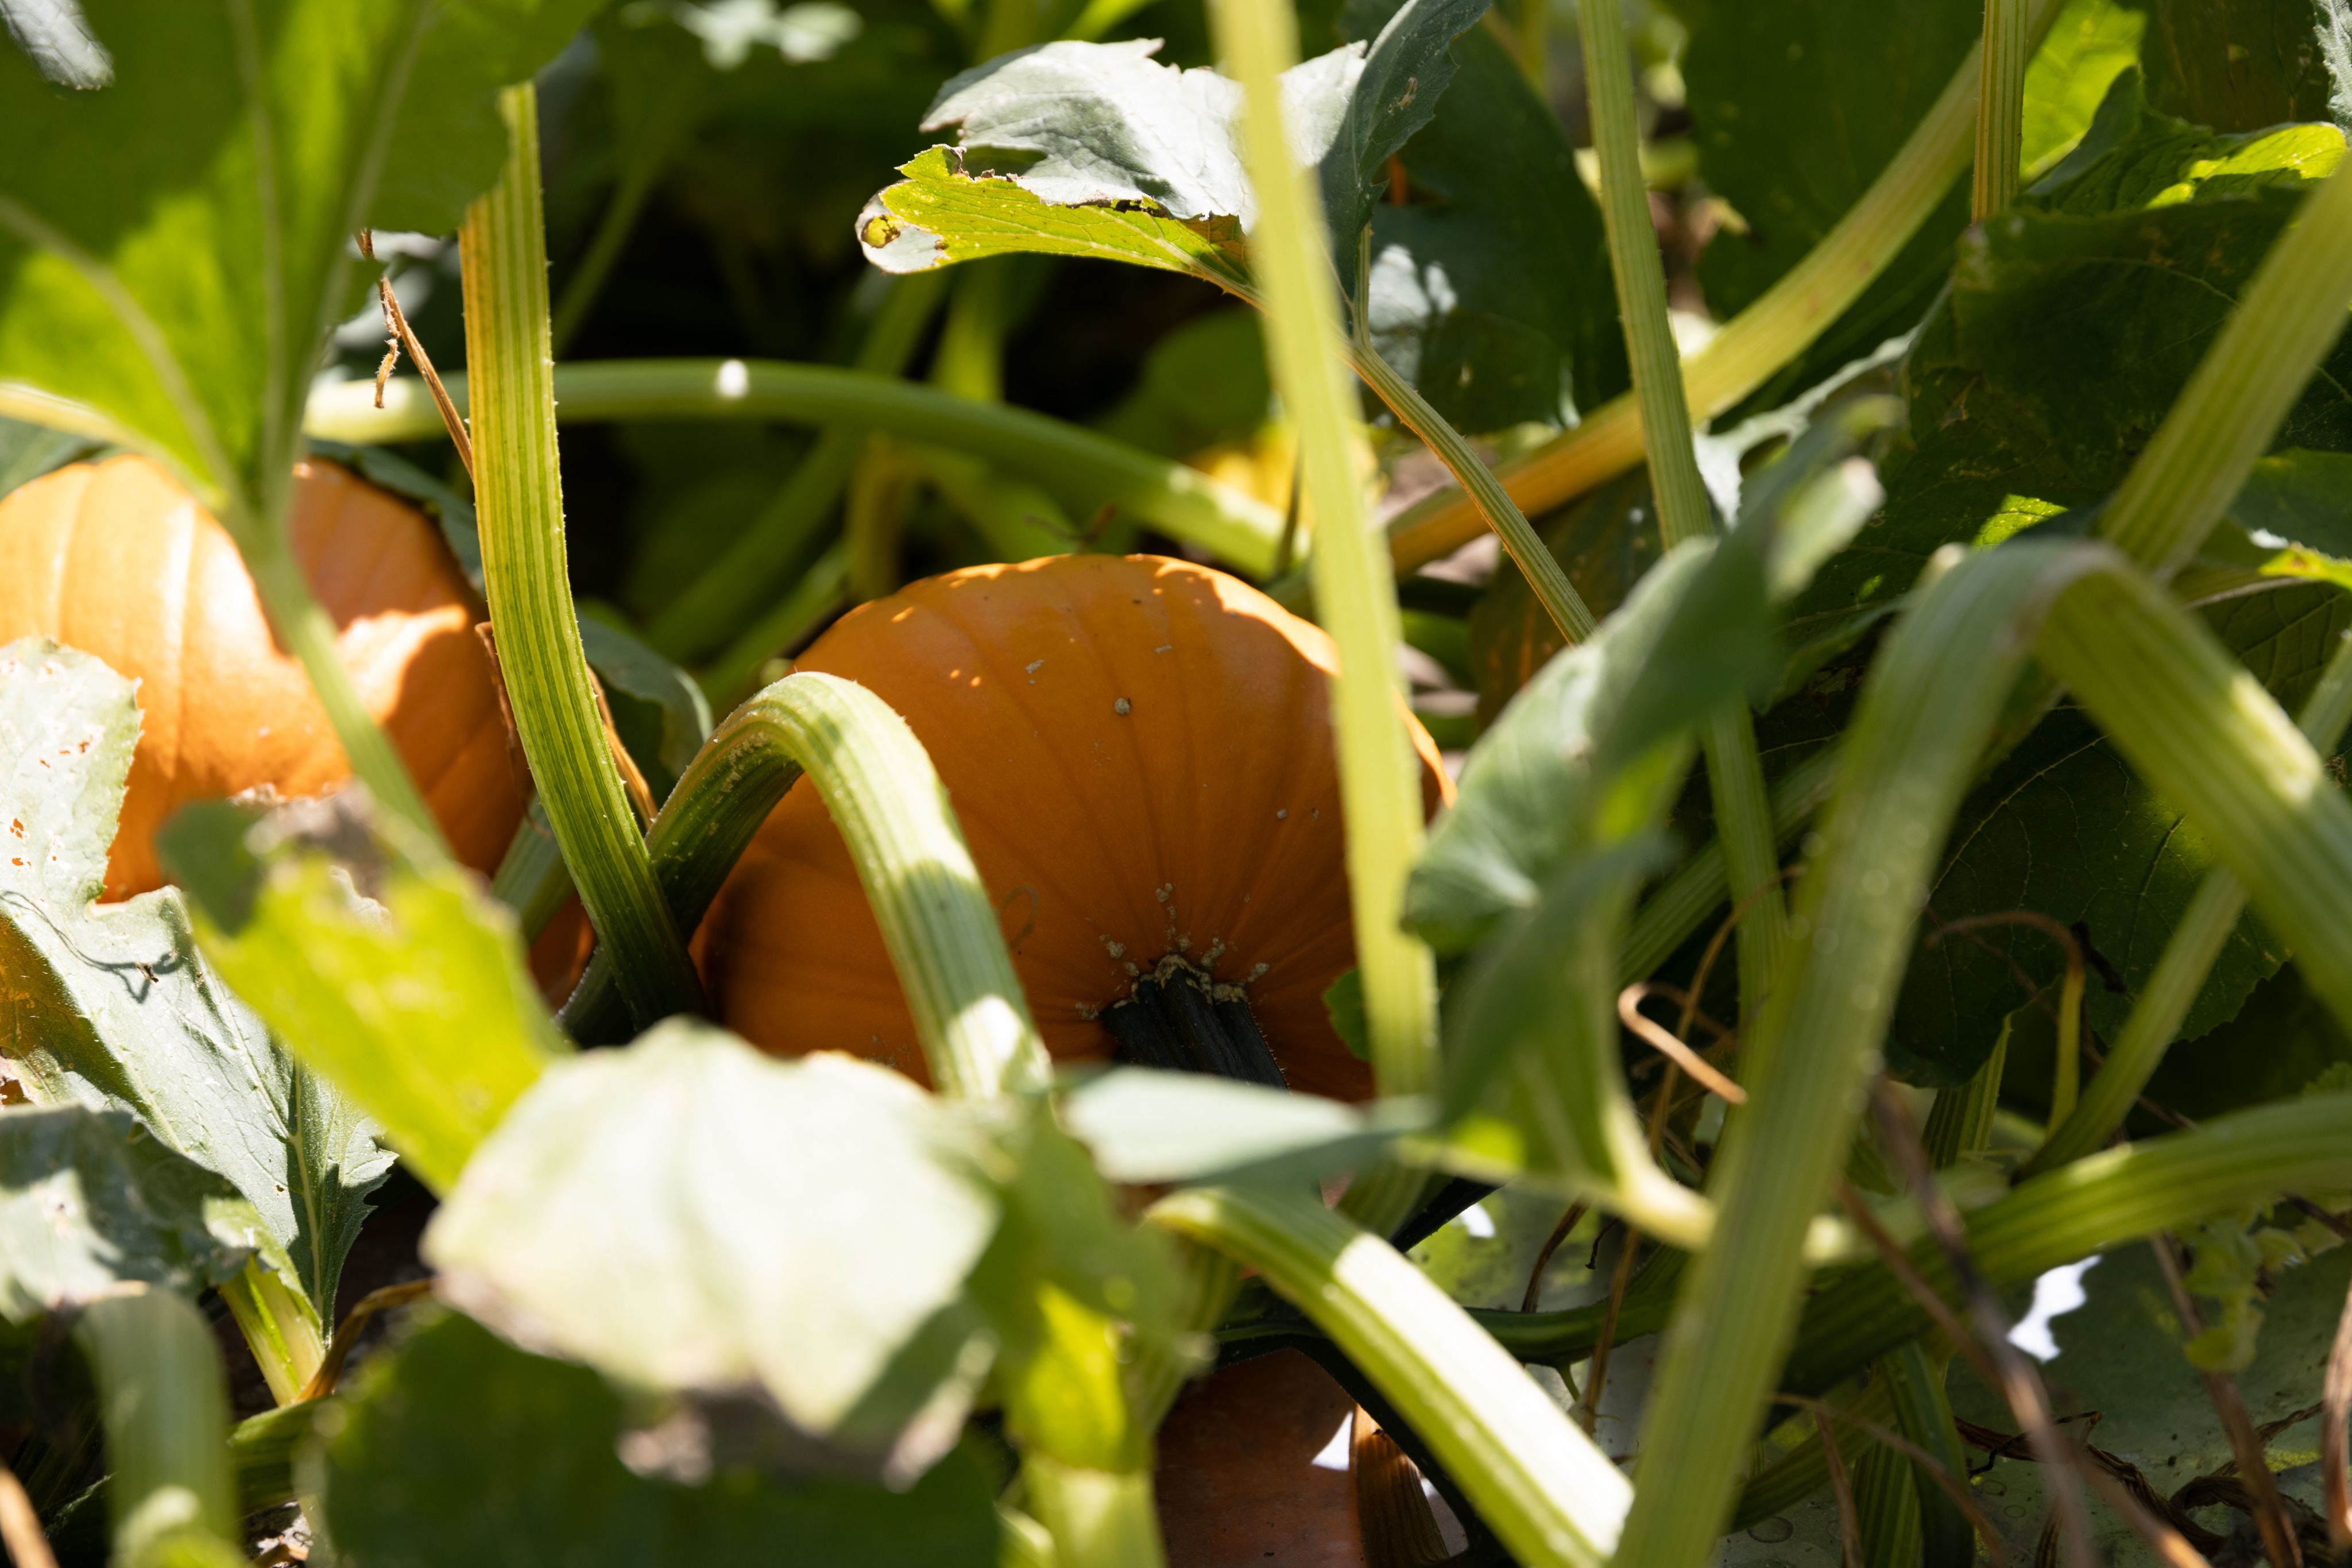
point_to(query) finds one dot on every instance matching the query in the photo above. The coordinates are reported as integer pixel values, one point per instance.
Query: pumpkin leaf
(1490, 287)
(2091, 43)
(89, 1200)
(694, 1218)
(1146, 1126)
(2134, 156)
(456, 1450)
(659, 710)
(1080, 149)
(175, 249)
(112, 1007)
(29, 451)
(404, 988)
(2245, 64)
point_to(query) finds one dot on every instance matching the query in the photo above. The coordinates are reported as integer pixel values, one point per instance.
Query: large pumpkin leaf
(457, 1450)
(693, 1218)
(404, 986)
(90, 1199)
(1077, 149)
(176, 247)
(112, 1006)
(1490, 287)
(2249, 63)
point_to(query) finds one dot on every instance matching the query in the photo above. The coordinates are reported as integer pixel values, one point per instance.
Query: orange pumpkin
(1140, 751)
(115, 559)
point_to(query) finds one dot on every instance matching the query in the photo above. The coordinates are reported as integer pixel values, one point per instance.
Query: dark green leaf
(89, 1200)
(2244, 64)
(455, 1449)
(175, 248)
(29, 451)
(2067, 829)
(660, 713)
(112, 1006)
(1490, 289)
(405, 988)
(693, 1218)
(1408, 62)
(2132, 157)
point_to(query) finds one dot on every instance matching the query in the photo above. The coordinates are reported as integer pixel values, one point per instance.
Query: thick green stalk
(2285, 323)
(310, 635)
(281, 1329)
(163, 1395)
(1934, 698)
(1354, 596)
(1735, 777)
(1496, 510)
(2001, 110)
(733, 588)
(2188, 956)
(2099, 1201)
(893, 814)
(1753, 345)
(517, 491)
(1088, 468)
(1538, 1482)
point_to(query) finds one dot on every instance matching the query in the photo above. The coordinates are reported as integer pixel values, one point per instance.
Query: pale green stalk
(162, 1393)
(1538, 1482)
(1179, 501)
(279, 1327)
(2266, 353)
(2001, 109)
(1735, 776)
(1754, 345)
(893, 814)
(2188, 956)
(1355, 598)
(519, 496)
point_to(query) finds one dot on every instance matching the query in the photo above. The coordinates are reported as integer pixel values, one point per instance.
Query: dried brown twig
(405, 337)
(362, 1313)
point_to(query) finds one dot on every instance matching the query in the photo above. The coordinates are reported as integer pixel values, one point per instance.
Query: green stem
(1754, 345)
(310, 635)
(1496, 510)
(163, 1394)
(2099, 1201)
(2285, 323)
(1538, 1482)
(518, 490)
(2001, 109)
(1088, 468)
(279, 1327)
(1355, 598)
(1735, 776)
(733, 587)
(893, 814)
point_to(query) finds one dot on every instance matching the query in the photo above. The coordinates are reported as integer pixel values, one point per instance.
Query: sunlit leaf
(405, 988)
(89, 1200)
(1145, 1126)
(454, 1451)
(112, 1007)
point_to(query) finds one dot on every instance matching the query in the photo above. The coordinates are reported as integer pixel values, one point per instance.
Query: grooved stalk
(1735, 776)
(2001, 110)
(1379, 782)
(520, 499)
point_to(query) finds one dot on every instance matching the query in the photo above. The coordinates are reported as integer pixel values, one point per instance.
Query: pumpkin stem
(1180, 1021)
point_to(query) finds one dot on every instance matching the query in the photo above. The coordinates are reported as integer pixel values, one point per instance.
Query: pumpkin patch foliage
(1168, 783)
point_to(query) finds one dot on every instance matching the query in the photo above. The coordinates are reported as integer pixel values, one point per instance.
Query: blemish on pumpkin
(1132, 971)
(1282, 815)
(1115, 949)
(1165, 648)
(1122, 706)
(1257, 973)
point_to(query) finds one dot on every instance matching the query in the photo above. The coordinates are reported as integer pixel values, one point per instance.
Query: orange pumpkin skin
(1140, 751)
(1236, 1480)
(115, 559)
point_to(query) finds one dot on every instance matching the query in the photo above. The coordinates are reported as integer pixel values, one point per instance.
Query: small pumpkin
(1140, 752)
(114, 558)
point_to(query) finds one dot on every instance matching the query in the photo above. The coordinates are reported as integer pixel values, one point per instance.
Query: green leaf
(659, 710)
(175, 249)
(1490, 289)
(89, 1200)
(112, 1007)
(2133, 156)
(2091, 43)
(2065, 828)
(1408, 63)
(693, 1218)
(1144, 1126)
(405, 988)
(2241, 65)
(454, 1450)
(29, 451)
